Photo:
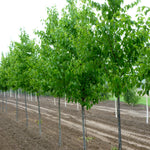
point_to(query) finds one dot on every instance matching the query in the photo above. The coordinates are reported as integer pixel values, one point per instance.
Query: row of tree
(90, 50)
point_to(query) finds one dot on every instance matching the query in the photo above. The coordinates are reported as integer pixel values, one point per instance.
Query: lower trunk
(119, 124)
(31, 96)
(147, 109)
(16, 105)
(59, 122)
(3, 101)
(39, 115)
(65, 101)
(116, 107)
(35, 97)
(6, 103)
(77, 106)
(54, 101)
(83, 127)
(26, 110)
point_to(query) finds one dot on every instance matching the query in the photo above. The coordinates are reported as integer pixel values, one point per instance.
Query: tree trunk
(35, 97)
(115, 107)
(10, 93)
(119, 124)
(39, 115)
(77, 106)
(15, 94)
(28, 96)
(16, 105)
(146, 109)
(6, 103)
(31, 96)
(65, 101)
(26, 110)
(83, 127)
(18, 93)
(54, 101)
(3, 101)
(59, 122)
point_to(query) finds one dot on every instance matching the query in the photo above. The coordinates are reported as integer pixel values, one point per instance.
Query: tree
(4, 77)
(121, 39)
(86, 81)
(22, 53)
(143, 63)
(37, 78)
(130, 97)
(55, 58)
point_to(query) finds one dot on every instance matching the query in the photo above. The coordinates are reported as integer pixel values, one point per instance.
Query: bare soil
(101, 126)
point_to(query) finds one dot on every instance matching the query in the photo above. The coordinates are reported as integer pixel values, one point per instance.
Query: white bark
(77, 106)
(26, 110)
(31, 97)
(35, 98)
(28, 96)
(147, 109)
(40, 130)
(115, 107)
(83, 128)
(59, 122)
(10, 93)
(18, 94)
(65, 101)
(54, 101)
(15, 94)
(17, 106)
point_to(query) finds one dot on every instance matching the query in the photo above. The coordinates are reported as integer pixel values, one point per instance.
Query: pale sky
(16, 14)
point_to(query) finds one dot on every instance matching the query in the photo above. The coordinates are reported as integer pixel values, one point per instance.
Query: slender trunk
(77, 106)
(83, 127)
(59, 122)
(10, 93)
(6, 103)
(54, 101)
(39, 115)
(31, 96)
(35, 97)
(16, 105)
(3, 101)
(18, 94)
(65, 101)
(26, 110)
(116, 107)
(15, 94)
(28, 96)
(119, 125)
(147, 109)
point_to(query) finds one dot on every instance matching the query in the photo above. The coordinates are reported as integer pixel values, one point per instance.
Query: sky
(16, 14)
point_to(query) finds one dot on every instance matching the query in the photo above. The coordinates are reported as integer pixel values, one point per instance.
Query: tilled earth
(101, 126)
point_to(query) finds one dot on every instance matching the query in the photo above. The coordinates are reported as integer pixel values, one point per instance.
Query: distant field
(141, 101)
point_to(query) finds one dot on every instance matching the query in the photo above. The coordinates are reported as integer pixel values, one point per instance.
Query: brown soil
(101, 126)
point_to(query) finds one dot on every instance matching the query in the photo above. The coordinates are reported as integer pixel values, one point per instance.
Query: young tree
(143, 73)
(54, 58)
(122, 39)
(4, 77)
(22, 53)
(130, 97)
(79, 45)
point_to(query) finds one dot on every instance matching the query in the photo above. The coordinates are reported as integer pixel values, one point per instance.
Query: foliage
(4, 75)
(114, 148)
(130, 97)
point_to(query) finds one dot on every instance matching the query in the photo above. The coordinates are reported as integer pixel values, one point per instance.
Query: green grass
(141, 101)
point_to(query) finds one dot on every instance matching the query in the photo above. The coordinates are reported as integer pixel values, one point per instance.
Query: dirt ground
(101, 126)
